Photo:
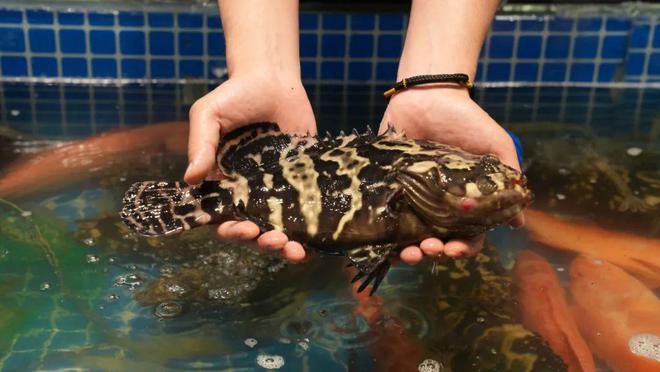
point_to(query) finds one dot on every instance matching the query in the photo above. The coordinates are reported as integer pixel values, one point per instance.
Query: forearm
(445, 36)
(261, 35)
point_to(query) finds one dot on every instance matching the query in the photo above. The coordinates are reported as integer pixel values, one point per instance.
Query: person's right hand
(239, 101)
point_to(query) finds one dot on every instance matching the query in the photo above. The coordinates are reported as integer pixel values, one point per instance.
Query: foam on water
(645, 345)
(270, 361)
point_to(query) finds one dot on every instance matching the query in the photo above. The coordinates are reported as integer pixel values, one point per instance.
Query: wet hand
(447, 114)
(239, 101)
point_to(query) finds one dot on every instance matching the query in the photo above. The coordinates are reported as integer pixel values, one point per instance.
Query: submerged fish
(365, 196)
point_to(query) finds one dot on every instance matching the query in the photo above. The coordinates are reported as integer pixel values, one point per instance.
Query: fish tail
(167, 208)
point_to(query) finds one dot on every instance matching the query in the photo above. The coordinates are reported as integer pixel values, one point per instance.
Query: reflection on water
(79, 290)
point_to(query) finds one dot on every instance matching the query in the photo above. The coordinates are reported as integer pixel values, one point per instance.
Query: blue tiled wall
(355, 47)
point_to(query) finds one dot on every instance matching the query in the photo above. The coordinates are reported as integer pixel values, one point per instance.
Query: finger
(273, 240)
(239, 230)
(431, 247)
(293, 252)
(204, 134)
(460, 247)
(411, 255)
(518, 220)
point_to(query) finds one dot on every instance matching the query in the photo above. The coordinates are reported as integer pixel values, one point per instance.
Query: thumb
(207, 122)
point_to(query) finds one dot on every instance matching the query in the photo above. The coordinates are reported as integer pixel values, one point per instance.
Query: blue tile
(606, 72)
(503, 25)
(187, 20)
(308, 21)
(70, 18)
(532, 24)
(362, 45)
(13, 66)
(614, 23)
(308, 70)
(42, 40)
(393, 22)
(613, 47)
(589, 24)
(582, 72)
(386, 71)
(42, 66)
(634, 64)
(213, 22)
(334, 22)
(161, 20)
(639, 37)
(101, 19)
(554, 72)
(131, 19)
(162, 68)
(217, 70)
(529, 46)
(215, 44)
(389, 46)
(333, 45)
(102, 42)
(656, 36)
(11, 16)
(191, 43)
(104, 68)
(161, 43)
(363, 22)
(191, 68)
(39, 17)
(557, 46)
(74, 67)
(131, 42)
(560, 24)
(501, 46)
(585, 47)
(11, 40)
(526, 71)
(498, 71)
(308, 45)
(72, 41)
(359, 71)
(133, 68)
(653, 67)
(332, 70)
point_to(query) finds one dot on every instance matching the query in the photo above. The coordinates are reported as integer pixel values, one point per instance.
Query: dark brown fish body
(365, 196)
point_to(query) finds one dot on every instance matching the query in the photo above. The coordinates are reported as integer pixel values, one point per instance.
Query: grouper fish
(361, 195)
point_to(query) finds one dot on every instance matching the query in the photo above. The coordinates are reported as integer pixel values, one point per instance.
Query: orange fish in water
(65, 165)
(617, 314)
(638, 255)
(393, 350)
(544, 310)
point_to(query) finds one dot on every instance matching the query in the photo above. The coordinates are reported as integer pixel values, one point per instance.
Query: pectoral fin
(372, 262)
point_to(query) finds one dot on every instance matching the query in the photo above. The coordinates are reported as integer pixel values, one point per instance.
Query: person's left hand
(447, 114)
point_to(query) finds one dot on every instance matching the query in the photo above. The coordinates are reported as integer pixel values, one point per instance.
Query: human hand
(447, 114)
(241, 100)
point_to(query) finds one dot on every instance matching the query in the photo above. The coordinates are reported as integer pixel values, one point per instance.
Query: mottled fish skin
(362, 195)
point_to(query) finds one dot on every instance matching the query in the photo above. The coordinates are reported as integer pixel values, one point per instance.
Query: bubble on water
(285, 340)
(598, 262)
(250, 342)
(131, 281)
(429, 365)
(593, 179)
(122, 179)
(634, 151)
(92, 258)
(270, 361)
(26, 213)
(44, 286)
(564, 171)
(493, 351)
(176, 289)
(168, 309)
(646, 345)
(481, 319)
(14, 113)
(221, 293)
(111, 260)
(561, 269)
(303, 344)
(89, 242)
(560, 196)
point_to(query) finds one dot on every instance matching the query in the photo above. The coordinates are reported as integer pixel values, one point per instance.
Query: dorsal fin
(250, 146)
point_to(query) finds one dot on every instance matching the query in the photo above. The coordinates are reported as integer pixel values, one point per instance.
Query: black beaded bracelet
(406, 83)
